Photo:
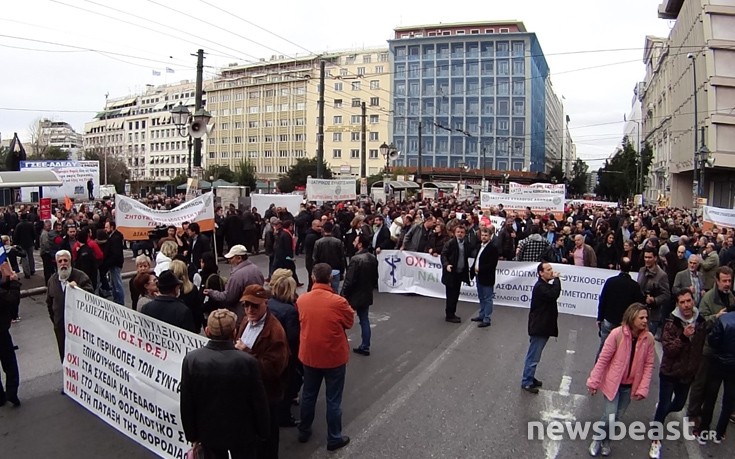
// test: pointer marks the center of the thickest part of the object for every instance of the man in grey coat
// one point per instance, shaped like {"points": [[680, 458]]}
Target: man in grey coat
{"points": [[244, 273], [690, 279], [65, 277]]}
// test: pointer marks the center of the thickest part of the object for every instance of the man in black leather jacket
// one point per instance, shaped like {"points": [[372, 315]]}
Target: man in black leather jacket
{"points": [[360, 281]]}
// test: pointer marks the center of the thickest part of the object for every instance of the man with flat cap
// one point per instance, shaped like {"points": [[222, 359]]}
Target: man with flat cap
{"points": [[224, 406], [167, 307], [244, 273]]}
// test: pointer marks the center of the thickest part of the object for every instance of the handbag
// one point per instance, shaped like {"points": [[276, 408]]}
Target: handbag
{"points": [[195, 452]]}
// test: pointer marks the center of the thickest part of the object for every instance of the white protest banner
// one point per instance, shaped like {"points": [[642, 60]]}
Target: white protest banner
{"points": [[498, 222], [73, 174], [192, 188], [262, 202], [719, 216], [134, 219], [331, 190], [553, 188], [125, 368], [537, 202], [589, 203], [496, 189], [412, 272]]}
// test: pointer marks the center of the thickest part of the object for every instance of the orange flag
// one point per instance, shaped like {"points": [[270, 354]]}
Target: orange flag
{"points": [[67, 203]]}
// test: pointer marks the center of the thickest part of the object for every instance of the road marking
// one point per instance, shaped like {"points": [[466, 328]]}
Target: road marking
{"points": [[403, 396], [691, 447]]}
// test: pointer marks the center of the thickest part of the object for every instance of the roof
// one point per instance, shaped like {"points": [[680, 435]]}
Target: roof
{"points": [[34, 178], [398, 185], [521, 26]]}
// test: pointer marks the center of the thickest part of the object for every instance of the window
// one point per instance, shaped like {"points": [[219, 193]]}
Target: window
{"points": [[238, 139], [253, 139], [519, 67], [378, 69], [337, 86], [355, 119], [299, 137], [504, 30], [252, 154], [355, 85], [355, 136], [336, 137], [337, 103], [354, 154], [283, 122], [374, 101], [373, 154], [336, 153], [374, 119], [268, 138], [283, 137], [459, 32], [361, 70], [283, 153], [337, 119], [373, 136], [474, 31], [225, 126], [383, 57], [375, 84], [268, 154], [356, 102], [282, 169], [366, 59]]}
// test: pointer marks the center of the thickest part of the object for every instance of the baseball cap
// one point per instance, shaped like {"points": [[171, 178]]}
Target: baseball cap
{"points": [[221, 323], [237, 250], [255, 293]]}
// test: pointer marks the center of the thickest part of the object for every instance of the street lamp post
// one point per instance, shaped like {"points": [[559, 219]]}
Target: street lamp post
{"points": [[385, 151], [190, 126], [697, 185]]}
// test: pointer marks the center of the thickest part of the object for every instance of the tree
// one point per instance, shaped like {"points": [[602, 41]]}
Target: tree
{"points": [[3, 158], [54, 153], [304, 168], [578, 183], [39, 141], [285, 184], [617, 179], [246, 176], [557, 172], [179, 180], [117, 170], [220, 172]]}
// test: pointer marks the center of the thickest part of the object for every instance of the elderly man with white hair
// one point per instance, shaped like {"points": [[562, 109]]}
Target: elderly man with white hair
{"points": [[690, 279], [65, 277]]}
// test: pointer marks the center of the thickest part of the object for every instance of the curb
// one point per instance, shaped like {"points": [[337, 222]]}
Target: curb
{"points": [[42, 290]]}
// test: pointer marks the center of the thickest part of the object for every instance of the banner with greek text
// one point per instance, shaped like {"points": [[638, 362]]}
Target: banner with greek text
{"points": [[719, 216], [540, 202], [125, 368], [554, 188], [331, 190], [588, 203], [420, 273], [135, 220]]}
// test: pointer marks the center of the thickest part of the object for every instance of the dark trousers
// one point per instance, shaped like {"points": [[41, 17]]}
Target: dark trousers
{"points": [[49, 266], [718, 374], [294, 378], [452, 292], [60, 339], [334, 379], [268, 449], [309, 268], [669, 387], [697, 389], [10, 366]]}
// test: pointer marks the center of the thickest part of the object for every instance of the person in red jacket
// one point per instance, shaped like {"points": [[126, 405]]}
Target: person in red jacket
{"points": [[324, 351]]}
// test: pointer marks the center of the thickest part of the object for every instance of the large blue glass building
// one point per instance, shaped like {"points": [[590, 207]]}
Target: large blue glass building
{"points": [[477, 93]]}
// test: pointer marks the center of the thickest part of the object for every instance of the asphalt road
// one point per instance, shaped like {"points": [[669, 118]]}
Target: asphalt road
{"points": [[429, 389]]}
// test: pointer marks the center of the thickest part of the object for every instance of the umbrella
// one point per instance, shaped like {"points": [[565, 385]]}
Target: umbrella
{"points": [[16, 154], [219, 182]]}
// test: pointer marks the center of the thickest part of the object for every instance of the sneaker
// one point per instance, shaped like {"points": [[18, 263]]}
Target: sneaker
{"points": [[732, 418], [16, 320], [654, 452], [594, 448], [717, 439], [605, 448], [531, 388], [340, 444], [702, 439]]}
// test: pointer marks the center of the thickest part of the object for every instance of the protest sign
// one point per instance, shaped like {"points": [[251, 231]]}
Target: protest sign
{"points": [[589, 203], [542, 202], [412, 272], [125, 368], [534, 188], [135, 220], [331, 190], [262, 202], [718, 216]]}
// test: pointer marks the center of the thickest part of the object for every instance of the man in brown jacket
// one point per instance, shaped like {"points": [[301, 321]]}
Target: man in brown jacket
{"points": [[262, 336], [582, 254], [65, 277]]}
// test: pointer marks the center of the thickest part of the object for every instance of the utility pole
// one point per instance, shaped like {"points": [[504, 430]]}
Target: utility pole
{"points": [[320, 135], [104, 139], [418, 167], [363, 143], [696, 171], [197, 106]]}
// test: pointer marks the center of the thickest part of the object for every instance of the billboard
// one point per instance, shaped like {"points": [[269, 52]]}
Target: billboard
{"points": [[74, 174]]}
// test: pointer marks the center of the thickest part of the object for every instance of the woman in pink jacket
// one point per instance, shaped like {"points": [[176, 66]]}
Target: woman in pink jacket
{"points": [[623, 370]]}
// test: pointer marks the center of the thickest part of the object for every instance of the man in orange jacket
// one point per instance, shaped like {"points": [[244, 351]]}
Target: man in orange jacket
{"points": [[324, 352]]}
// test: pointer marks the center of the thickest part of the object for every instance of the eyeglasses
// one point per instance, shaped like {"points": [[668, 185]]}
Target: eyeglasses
{"points": [[252, 305]]}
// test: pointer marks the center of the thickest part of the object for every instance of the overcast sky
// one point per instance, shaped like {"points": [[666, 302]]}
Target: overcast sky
{"points": [[594, 48]]}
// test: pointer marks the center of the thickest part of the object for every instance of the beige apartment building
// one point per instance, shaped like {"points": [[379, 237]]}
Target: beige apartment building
{"points": [[703, 38], [267, 112], [138, 130]]}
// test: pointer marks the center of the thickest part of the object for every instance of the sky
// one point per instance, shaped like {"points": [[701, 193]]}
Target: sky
{"points": [[594, 49]]}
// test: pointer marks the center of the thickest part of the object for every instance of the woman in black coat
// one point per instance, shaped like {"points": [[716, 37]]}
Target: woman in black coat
{"points": [[607, 252]]}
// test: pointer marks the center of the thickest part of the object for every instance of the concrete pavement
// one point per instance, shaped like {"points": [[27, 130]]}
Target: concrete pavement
{"points": [[429, 389]]}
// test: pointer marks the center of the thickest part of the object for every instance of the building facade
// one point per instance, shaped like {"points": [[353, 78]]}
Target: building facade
{"points": [[137, 129], [58, 134], [477, 90], [701, 48], [268, 112]]}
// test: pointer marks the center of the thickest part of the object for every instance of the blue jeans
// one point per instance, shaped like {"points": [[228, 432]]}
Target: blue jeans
{"points": [[334, 379], [485, 293], [335, 281], [365, 332], [605, 329], [615, 408], [118, 294], [533, 357]]}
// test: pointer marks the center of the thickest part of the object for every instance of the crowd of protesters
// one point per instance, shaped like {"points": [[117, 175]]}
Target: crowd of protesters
{"points": [[177, 279]]}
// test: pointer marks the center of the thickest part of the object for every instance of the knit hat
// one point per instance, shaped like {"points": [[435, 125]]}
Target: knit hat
{"points": [[221, 323]]}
